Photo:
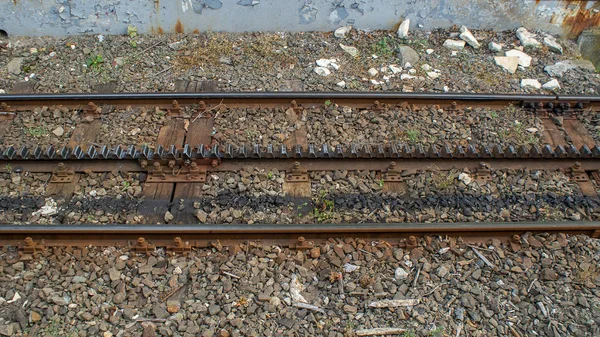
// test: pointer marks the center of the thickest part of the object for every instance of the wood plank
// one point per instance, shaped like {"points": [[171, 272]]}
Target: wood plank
{"points": [[575, 128], [553, 136], [200, 131], [25, 87], [188, 192], [157, 200], [109, 87], [63, 190], [4, 127], [84, 134], [173, 133]]}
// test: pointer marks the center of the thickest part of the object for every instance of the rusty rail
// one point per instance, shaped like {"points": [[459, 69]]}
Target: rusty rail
{"points": [[200, 236]]}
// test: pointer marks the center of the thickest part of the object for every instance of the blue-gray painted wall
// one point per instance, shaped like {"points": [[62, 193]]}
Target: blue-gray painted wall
{"points": [[63, 17]]}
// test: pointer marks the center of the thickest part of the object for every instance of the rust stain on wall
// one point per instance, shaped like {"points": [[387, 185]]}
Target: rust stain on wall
{"points": [[581, 21], [576, 18], [178, 27]]}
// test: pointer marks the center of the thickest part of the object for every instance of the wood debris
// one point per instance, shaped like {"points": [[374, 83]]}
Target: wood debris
{"points": [[380, 331], [394, 303]]}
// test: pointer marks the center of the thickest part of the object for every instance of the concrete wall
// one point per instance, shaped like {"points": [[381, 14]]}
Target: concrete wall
{"points": [[63, 17]]}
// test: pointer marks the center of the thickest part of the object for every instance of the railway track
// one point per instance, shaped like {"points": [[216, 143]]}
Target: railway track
{"points": [[186, 152]]}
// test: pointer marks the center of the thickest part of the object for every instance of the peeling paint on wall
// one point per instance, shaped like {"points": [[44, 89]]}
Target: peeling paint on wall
{"points": [[248, 2], [338, 14], [199, 5], [63, 17], [308, 14]]}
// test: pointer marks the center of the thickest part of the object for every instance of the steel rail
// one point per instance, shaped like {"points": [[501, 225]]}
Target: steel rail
{"points": [[202, 234], [288, 95]]}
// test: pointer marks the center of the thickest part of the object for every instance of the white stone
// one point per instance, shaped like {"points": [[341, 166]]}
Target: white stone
{"points": [[341, 84], [559, 69], [429, 51], [353, 51], [551, 85], [433, 75], [2, 91], [454, 44], [400, 274], [412, 71], [322, 71], [59, 131], [375, 82], [406, 77], [509, 63], [373, 72], [468, 37], [177, 271], [395, 69], [327, 63], [426, 67], [407, 65], [527, 39], [495, 47], [454, 53], [524, 59], [553, 45], [342, 31], [532, 130], [530, 83], [465, 178], [348, 268], [403, 29]]}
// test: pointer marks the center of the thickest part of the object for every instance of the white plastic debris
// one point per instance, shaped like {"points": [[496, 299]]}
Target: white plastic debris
{"points": [[429, 51], [48, 209]]}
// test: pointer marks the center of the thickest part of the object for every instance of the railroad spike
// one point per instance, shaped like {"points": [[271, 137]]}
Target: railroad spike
{"points": [[311, 151], [298, 151], [256, 151], [283, 151], [325, 151]]}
